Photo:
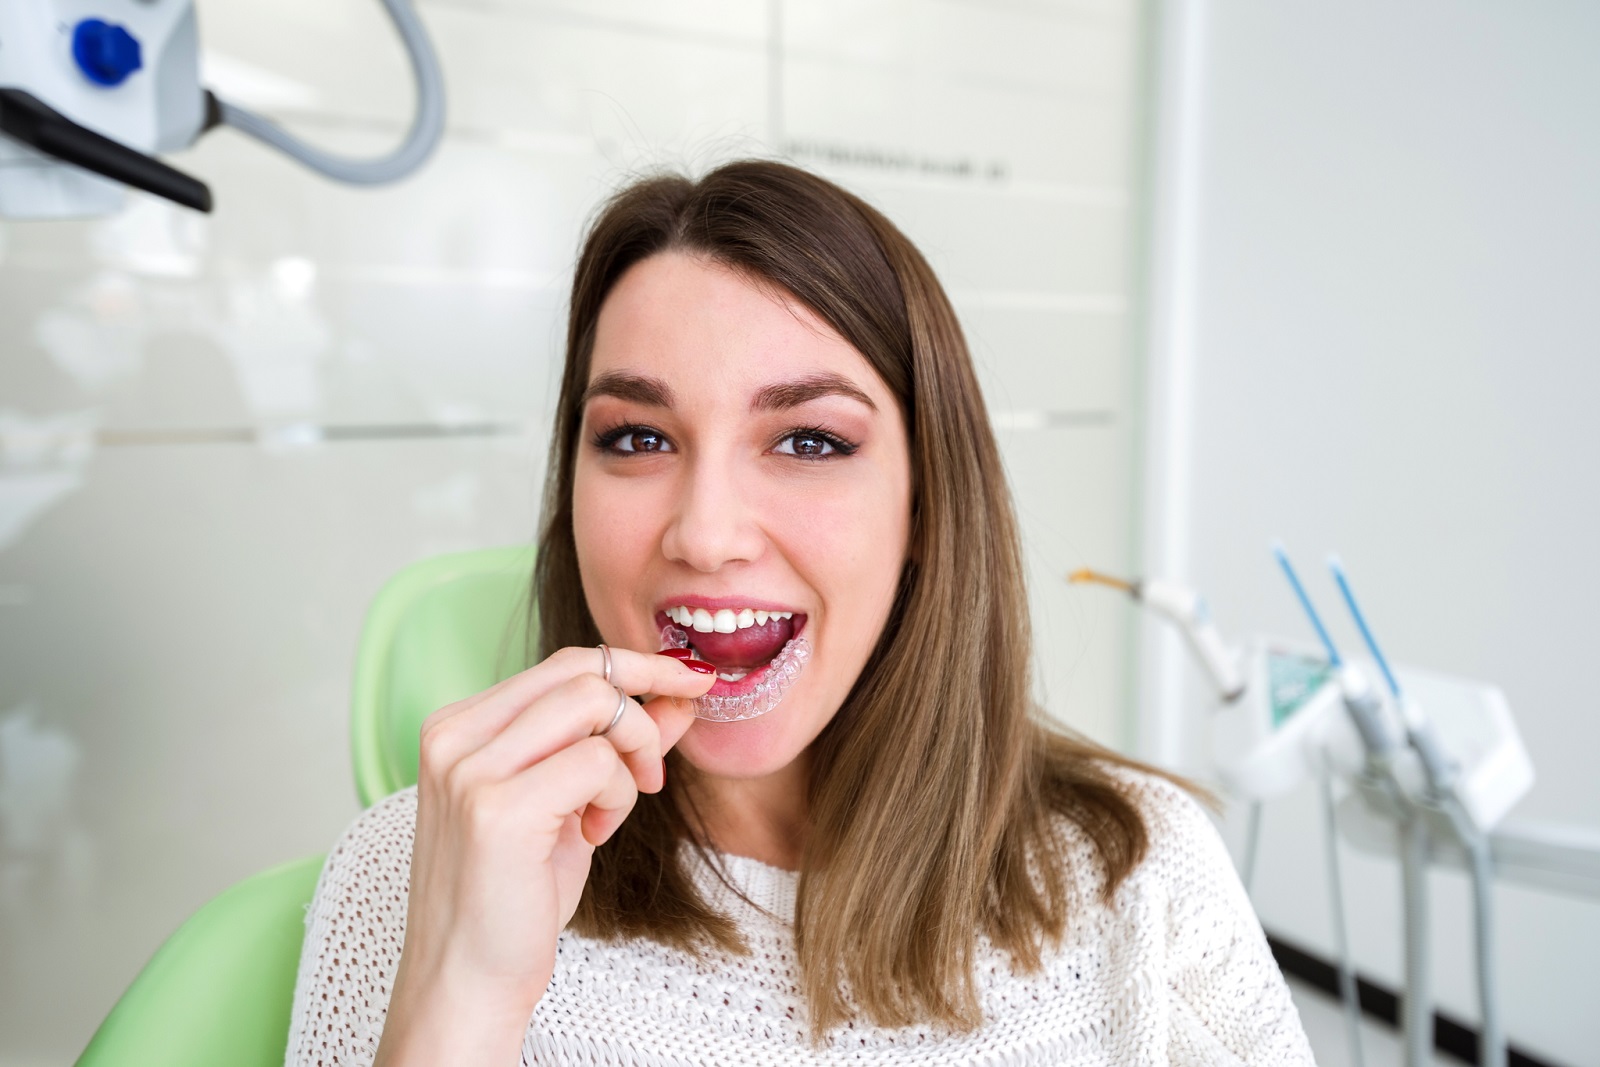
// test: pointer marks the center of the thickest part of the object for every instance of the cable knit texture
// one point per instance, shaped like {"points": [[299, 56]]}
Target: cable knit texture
{"points": [[1174, 970]]}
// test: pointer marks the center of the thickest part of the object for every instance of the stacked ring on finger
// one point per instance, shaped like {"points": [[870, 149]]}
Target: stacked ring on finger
{"points": [[622, 706], [605, 661]]}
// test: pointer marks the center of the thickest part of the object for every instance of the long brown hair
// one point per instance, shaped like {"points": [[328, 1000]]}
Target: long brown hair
{"points": [[937, 788]]}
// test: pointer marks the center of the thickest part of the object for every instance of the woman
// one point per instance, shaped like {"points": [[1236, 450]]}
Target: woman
{"points": [[832, 826]]}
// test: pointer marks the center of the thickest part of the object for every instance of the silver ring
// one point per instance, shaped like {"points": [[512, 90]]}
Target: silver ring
{"points": [[605, 662], [622, 706]]}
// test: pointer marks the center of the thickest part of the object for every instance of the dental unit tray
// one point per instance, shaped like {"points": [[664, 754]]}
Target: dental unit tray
{"points": [[1434, 763], [1292, 717]]}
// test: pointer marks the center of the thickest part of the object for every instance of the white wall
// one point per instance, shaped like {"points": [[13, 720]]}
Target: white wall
{"points": [[1392, 328], [183, 575]]}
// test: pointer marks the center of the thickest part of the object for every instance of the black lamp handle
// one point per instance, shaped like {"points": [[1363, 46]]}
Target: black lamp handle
{"points": [[33, 122]]}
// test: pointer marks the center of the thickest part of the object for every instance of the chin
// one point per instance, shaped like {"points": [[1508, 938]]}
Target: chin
{"points": [[750, 748]]}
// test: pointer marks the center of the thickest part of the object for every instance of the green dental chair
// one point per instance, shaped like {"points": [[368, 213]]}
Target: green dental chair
{"points": [[219, 991]]}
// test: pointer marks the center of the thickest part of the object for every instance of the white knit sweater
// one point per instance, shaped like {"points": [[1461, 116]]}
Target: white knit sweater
{"points": [[1174, 971]]}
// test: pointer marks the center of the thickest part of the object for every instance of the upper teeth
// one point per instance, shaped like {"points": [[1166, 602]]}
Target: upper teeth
{"points": [[723, 621]]}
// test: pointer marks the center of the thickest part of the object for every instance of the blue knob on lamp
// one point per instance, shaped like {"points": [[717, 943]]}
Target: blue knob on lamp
{"points": [[105, 52]]}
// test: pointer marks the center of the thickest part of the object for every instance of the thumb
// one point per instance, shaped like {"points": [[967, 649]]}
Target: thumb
{"points": [[673, 716]]}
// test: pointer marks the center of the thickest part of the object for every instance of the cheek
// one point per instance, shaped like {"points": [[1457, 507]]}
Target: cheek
{"points": [[611, 542], [851, 541], [846, 543]]}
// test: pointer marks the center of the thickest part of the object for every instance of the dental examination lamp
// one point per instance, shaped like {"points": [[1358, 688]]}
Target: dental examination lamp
{"points": [[91, 91], [1433, 762]]}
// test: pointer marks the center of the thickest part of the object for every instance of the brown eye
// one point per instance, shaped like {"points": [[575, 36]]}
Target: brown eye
{"points": [[633, 440], [644, 441], [811, 444]]}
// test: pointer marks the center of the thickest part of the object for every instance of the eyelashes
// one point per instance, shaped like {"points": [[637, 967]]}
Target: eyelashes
{"points": [[637, 439], [813, 442], [809, 443]]}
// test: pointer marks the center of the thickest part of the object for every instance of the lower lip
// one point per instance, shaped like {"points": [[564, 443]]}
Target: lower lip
{"points": [[747, 684]]}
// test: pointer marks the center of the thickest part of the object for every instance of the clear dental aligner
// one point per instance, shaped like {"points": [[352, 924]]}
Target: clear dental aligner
{"points": [[768, 692]]}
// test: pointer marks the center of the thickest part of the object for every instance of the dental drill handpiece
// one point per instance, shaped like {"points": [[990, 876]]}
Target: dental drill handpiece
{"points": [[1189, 611], [1379, 736], [1380, 741], [1384, 743], [1442, 776], [1437, 767]]}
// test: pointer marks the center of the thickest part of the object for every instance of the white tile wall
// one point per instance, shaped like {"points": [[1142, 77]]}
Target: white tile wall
{"points": [[181, 584]]}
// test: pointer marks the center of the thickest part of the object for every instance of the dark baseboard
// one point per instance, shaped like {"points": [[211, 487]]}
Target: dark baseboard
{"points": [[1450, 1035]]}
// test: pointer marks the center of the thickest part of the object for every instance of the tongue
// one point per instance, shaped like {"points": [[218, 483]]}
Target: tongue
{"points": [[743, 649]]}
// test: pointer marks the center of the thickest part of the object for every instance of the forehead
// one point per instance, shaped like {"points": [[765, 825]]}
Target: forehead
{"points": [[689, 319]]}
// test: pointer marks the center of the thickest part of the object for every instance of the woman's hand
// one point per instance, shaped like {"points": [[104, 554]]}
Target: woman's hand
{"points": [[514, 791]]}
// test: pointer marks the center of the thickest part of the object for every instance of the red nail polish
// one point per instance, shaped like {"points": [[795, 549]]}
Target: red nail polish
{"points": [[676, 653], [698, 665]]}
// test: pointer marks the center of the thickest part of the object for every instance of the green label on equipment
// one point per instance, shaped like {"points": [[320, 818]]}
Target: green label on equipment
{"points": [[1291, 681]]}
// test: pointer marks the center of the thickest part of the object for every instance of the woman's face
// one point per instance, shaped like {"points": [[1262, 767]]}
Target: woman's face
{"points": [[739, 459]]}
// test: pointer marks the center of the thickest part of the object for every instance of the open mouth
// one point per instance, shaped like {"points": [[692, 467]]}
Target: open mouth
{"points": [[757, 653]]}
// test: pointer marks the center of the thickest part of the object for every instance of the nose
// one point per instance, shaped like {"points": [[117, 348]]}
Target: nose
{"points": [[713, 524]]}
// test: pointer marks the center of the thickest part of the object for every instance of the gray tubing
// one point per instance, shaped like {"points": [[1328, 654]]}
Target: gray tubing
{"points": [[427, 126], [1492, 1047], [1417, 1011], [1480, 867], [1347, 974], [1480, 864]]}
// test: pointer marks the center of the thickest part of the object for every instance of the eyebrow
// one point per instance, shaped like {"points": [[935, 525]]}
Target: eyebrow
{"points": [[782, 395], [638, 388], [653, 392]]}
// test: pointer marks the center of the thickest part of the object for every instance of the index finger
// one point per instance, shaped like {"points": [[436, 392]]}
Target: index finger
{"points": [[474, 721], [638, 672]]}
